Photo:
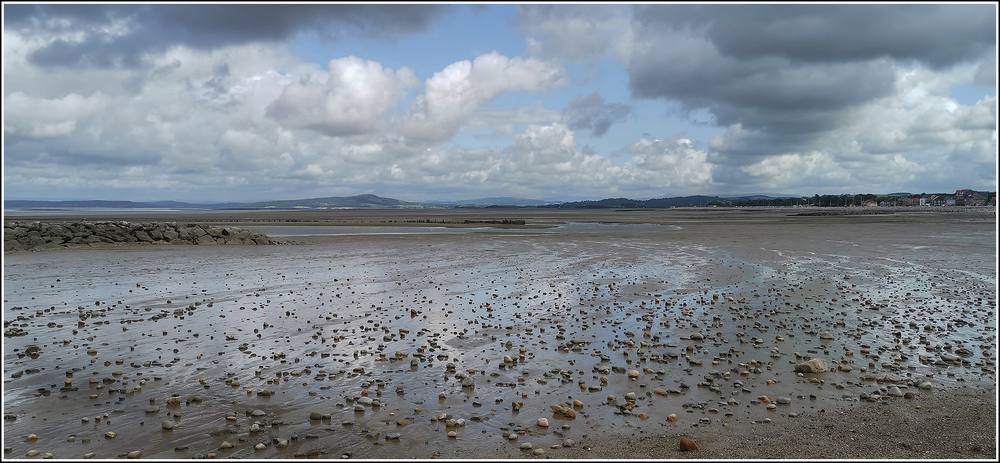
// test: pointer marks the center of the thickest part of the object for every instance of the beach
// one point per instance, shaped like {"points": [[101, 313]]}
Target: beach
{"points": [[757, 333]]}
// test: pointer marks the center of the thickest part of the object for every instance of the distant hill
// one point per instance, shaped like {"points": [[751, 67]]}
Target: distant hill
{"points": [[625, 203], [759, 196], [359, 201], [497, 201], [24, 204], [373, 201]]}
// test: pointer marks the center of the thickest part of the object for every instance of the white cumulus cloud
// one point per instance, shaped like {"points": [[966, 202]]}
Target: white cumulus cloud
{"points": [[451, 95], [352, 99]]}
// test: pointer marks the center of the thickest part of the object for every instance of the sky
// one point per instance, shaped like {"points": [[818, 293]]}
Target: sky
{"points": [[212, 103]]}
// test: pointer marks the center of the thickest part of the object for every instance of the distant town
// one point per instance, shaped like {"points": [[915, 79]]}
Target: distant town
{"points": [[964, 197]]}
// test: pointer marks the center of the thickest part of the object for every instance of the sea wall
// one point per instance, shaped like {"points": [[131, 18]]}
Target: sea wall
{"points": [[22, 235]]}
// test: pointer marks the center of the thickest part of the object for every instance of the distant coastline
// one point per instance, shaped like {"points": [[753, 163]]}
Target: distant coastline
{"points": [[962, 197]]}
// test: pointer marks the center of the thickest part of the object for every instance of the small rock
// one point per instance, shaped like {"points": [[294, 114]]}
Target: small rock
{"points": [[813, 365], [687, 444]]}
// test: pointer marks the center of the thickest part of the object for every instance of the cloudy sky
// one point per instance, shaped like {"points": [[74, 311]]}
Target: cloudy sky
{"points": [[417, 102]]}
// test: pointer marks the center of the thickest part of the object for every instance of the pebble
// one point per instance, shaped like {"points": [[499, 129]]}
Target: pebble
{"points": [[813, 365], [687, 444], [543, 423]]}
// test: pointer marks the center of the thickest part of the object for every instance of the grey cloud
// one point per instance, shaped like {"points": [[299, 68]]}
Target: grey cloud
{"points": [[592, 113], [986, 73], [25, 152], [791, 73], [784, 101], [151, 28], [937, 35], [729, 86], [576, 32]]}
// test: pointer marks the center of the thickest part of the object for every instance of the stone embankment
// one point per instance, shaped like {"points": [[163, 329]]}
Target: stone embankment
{"points": [[22, 236]]}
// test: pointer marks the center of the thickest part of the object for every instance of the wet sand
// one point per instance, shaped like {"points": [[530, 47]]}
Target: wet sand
{"points": [[706, 320], [958, 424]]}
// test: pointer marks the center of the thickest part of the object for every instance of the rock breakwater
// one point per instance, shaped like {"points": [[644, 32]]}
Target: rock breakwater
{"points": [[22, 236]]}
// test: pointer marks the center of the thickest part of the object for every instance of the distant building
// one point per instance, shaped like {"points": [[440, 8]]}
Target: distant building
{"points": [[968, 197], [923, 201], [908, 202]]}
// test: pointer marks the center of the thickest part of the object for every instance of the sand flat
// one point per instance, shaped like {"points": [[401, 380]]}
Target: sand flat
{"points": [[714, 310]]}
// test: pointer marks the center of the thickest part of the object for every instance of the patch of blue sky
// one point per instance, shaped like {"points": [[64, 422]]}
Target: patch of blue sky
{"points": [[970, 93]]}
